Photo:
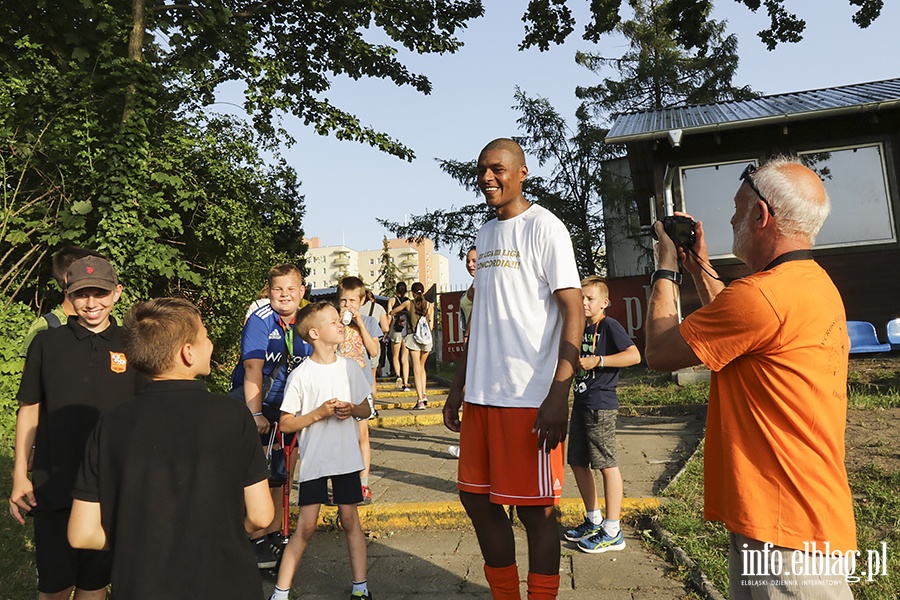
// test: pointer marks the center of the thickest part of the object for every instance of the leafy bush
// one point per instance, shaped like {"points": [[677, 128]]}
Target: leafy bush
{"points": [[15, 318]]}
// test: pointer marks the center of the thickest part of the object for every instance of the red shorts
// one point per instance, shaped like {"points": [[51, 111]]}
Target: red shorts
{"points": [[499, 455]]}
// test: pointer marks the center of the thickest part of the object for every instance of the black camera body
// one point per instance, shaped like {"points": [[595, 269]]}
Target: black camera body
{"points": [[682, 230]]}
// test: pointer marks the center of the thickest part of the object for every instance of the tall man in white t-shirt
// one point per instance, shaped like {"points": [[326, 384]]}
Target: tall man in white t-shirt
{"points": [[524, 340]]}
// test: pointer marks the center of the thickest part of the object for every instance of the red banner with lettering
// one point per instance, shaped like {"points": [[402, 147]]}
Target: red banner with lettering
{"points": [[628, 299], [451, 326]]}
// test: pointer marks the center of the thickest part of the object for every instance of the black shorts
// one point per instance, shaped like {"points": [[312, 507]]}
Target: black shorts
{"points": [[59, 565], [346, 489], [592, 438]]}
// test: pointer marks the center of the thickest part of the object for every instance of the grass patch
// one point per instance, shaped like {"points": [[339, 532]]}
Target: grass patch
{"points": [[705, 542], [638, 386], [16, 542], [877, 507], [876, 504], [867, 396]]}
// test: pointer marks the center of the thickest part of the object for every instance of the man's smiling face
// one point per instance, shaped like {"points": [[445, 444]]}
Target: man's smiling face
{"points": [[500, 177]]}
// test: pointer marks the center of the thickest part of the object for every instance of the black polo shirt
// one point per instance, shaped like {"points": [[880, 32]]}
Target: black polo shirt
{"points": [[76, 376], [169, 470], [596, 389]]}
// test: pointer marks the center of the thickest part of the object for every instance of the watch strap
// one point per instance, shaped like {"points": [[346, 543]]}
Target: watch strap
{"points": [[673, 276]]}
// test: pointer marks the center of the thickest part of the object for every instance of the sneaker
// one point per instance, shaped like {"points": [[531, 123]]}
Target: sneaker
{"points": [[583, 531], [405, 388], [374, 415], [425, 400], [361, 596], [263, 551], [601, 542], [367, 495], [399, 383], [420, 405], [454, 451], [278, 542]]}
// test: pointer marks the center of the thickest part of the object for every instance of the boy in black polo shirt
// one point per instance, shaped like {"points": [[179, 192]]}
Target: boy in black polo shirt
{"points": [[73, 374], [174, 478]]}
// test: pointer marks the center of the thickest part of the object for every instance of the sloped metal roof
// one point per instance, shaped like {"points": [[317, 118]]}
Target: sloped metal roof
{"points": [[760, 111]]}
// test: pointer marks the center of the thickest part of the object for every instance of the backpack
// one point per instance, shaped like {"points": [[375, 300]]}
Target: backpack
{"points": [[400, 318], [422, 335]]}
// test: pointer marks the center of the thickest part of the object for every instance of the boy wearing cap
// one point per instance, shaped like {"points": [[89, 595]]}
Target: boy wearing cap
{"points": [[72, 375]]}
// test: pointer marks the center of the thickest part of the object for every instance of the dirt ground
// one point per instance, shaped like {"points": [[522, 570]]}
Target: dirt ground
{"points": [[872, 434], [872, 439]]}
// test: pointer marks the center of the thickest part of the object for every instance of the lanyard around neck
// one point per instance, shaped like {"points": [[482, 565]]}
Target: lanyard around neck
{"points": [[288, 336]]}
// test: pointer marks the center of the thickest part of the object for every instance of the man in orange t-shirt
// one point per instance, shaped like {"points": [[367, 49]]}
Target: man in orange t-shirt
{"points": [[776, 342]]}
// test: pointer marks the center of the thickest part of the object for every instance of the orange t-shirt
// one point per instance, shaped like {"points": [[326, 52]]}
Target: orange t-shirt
{"points": [[777, 344]]}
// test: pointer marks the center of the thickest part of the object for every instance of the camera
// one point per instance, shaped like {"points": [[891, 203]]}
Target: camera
{"points": [[682, 230]]}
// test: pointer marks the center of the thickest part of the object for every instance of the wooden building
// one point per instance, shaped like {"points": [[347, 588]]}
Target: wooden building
{"points": [[689, 159]]}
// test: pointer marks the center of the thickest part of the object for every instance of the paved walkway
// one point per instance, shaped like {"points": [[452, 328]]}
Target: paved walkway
{"points": [[421, 544]]}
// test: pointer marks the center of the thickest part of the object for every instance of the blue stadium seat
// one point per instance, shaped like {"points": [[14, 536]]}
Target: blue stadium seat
{"points": [[893, 334], [863, 338]]}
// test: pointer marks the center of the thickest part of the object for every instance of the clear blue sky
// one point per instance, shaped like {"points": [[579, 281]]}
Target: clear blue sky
{"points": [[347, 185]]}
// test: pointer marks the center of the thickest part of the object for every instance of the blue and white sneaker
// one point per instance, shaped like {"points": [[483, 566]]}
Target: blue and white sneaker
{"points": [[600, 542], [583, 531]]}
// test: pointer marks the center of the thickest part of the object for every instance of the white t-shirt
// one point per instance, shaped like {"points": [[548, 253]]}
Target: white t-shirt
{"points": [[330, 446], [516, 324]]}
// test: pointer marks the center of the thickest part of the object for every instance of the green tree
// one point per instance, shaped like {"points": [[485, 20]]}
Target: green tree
{"points": [[551, 21], [573, 190], [107, 143], [388, 274], [657, 71], [654, 72]]}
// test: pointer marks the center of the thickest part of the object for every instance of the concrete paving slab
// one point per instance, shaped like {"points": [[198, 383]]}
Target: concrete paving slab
{"points": [[421, 544], [447, 564]]}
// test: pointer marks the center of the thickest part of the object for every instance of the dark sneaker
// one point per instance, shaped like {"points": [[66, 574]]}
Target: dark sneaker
{"points": [[583, 531], [361, 596], [277, 541], [602, 543], [263, 551], [420, 405]]}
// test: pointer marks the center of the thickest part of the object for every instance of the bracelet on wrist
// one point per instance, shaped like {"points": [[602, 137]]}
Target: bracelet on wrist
{"points": [[259, 414], [601, 362]]}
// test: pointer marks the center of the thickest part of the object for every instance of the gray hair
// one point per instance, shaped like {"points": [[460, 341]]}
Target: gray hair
{"points": [[796, 194]]}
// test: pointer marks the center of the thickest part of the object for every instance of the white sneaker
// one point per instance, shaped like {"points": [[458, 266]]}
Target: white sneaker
{"points": [[454, 451]]}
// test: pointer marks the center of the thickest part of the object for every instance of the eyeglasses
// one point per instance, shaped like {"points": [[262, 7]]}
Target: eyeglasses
{"points": [[747, 176]]}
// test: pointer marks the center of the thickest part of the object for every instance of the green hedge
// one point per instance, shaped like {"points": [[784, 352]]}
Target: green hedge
{"points": [[15, 318]]}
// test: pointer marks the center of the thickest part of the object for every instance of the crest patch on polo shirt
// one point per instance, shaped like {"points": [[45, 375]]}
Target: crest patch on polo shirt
{"points": [[117, 362]]}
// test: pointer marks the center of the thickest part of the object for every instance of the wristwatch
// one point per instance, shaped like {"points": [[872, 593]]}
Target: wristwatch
{"points": [[674, 276]]}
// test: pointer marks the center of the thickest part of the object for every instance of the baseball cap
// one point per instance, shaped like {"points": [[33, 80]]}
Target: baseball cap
{"points": [[91, 272]]}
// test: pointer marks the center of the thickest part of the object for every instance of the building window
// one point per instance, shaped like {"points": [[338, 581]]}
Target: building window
{"points": [[856, 181], [707, 193], [855, 178]]}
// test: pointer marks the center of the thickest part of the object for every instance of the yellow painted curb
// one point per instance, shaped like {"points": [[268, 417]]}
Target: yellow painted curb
{"points": [[412, 420], [383, 393], [447, 514], [407, 405]]}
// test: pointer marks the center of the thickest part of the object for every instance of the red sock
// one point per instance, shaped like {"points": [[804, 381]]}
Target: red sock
{"points": [[504, 582], [542, 587]]}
